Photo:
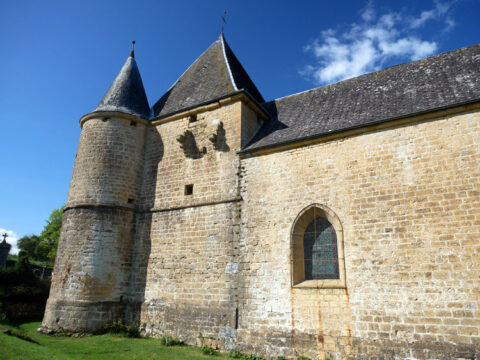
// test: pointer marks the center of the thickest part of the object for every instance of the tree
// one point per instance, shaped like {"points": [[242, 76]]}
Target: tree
{"points": [[28, 244], [44, 247], [51, 233]]}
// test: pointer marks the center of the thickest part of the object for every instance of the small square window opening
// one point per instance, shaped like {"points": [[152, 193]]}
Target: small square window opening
{"points": [[189, 189]]}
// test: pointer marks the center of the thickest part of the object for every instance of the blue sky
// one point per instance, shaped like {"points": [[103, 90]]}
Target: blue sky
{"points": [[58, 58]]}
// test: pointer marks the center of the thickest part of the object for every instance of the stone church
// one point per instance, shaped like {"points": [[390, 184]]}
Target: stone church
{"points": [[342, 222]]}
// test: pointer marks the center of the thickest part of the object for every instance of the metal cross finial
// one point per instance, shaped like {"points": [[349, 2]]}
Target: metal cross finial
{"points": [[5, 236], [132, 53], [224, 19]]}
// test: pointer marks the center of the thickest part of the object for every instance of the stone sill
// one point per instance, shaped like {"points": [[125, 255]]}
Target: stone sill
{"points": [[320, 284]]}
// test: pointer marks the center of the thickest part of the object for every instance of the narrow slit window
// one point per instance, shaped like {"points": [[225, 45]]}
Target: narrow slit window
{"points": [[133, 123], [192, 118]]}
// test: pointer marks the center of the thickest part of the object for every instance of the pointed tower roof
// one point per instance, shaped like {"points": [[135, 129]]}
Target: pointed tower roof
{"points": [[126, 94], [216, 73]]}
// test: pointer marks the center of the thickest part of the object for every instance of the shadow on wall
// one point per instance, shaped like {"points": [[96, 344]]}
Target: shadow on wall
{"points": [[221, 139], [154, 150], [190, 147], [272, 125]]}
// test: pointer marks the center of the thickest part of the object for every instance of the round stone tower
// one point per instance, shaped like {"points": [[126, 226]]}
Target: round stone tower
{"points": [[90, 279]]}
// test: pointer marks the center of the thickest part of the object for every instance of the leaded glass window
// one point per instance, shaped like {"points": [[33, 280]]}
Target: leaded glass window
{"points": [[320, 250]]}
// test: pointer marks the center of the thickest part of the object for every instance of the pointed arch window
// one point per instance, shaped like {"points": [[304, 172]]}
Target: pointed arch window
{"points": [[317, 249]]}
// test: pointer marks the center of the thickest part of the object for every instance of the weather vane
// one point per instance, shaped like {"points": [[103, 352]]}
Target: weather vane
{"points": [[224, 19]]}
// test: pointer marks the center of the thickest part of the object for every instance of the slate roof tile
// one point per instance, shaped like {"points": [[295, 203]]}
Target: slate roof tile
{"points": [[421, 86], [216, 73], [127, 94]]}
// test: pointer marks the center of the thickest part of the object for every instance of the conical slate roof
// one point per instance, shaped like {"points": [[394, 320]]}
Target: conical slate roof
{"points": [[126, 94], [216, 73]]}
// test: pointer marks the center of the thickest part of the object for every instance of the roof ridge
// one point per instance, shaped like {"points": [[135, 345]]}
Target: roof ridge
{"points": [[222, 39]]}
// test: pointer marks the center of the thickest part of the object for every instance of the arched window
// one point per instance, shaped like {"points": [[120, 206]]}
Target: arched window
{"points": [[317, 249]]}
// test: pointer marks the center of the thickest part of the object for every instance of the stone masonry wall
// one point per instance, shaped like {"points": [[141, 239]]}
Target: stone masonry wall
{"points": [[408, 199], [212, 174], [109, 163], [92, 267], [190, 288], [212, 264], [192, 275], [91, 279]]}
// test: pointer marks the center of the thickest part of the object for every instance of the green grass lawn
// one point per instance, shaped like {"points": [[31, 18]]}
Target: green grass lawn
{"points": [[89, 347]]}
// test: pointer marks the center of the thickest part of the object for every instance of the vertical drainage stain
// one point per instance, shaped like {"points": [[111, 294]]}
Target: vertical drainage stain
{"points": [[349, 330], [320, 337]]}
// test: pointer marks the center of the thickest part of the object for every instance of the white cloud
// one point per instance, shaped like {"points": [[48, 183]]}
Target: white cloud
{"points": [[12, 239], [368, 13], [365, 47], [450, 24], [436, 13]]}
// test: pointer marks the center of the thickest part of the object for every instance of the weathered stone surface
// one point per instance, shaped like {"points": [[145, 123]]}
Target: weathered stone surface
{"points": [[408, 199], [213, 265], [91, 279]]}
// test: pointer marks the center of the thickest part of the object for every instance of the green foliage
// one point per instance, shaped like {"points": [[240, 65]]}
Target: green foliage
{"points": [[19, 286], [281, 358], [235, 354], [301, 357], [28, 244], [207, 350], [51, 232], [44, 247], [42, 250], [238, 355], [20, 275], [169, 341], [118, 327], [133, 330], [253, 357]]}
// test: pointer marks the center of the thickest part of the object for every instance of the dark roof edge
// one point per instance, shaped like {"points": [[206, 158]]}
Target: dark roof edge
{"points": [[112, 113], [240, 91], [373, 123]]}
